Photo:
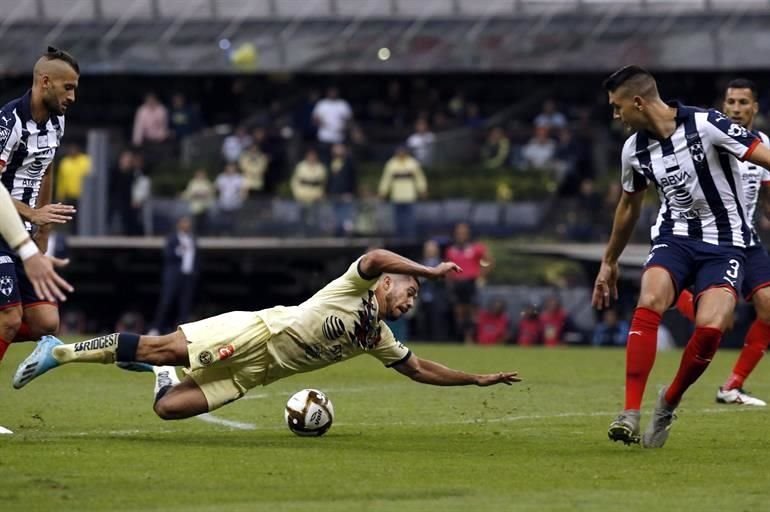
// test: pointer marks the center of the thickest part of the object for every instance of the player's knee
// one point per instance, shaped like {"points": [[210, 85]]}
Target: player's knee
{"points": [[10, 322], [761, 302], [45, 326], [169, 409], [654, 301]]}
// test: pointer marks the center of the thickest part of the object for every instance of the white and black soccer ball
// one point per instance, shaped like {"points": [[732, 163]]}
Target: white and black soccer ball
{"points": [[309, 413]]}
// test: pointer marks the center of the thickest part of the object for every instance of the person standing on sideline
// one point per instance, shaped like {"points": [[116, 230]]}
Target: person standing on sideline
{"points": [[698, 239], [180, 274]]}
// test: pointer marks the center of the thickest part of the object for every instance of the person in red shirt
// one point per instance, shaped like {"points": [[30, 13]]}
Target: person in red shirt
{"points": [[493, 325], [476, 262], [530, 329], [553, 318]]}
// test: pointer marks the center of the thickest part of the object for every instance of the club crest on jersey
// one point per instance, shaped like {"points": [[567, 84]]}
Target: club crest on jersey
{"points": [[333, 327], [205, 358], [6, 285], [697, 153], [366, 331]]}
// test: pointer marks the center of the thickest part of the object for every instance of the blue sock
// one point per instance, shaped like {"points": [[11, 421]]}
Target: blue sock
{"points": [[127, 345]]}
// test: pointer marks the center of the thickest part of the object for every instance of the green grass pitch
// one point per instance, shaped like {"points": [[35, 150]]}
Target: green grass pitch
{"points": [[87, 440]]}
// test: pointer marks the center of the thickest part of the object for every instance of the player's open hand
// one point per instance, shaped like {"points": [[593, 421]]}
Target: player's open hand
{"points": [[47, 283], [446, 267], [53, 214], [491, 379], [606, 286]]}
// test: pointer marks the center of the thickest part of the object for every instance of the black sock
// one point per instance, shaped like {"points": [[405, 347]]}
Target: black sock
{"points": [[127, 345]]}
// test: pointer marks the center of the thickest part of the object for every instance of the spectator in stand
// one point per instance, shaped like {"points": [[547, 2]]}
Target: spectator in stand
{"points": [[476, 262], [303, 117], [141, 193], [234, 144], [540, 151], [253, 164], [331, 115], [473, 118], [493, 324], [553, 318], [230, 192], [611, 331], [421, 142], [496, 149], [550, 118], [403, 183], [308, 186], [433, 306], [341, 188], [121, 183], [529, 331], [180, 271], [201, 195], [73, 168], [184, 119], [151, 131]]}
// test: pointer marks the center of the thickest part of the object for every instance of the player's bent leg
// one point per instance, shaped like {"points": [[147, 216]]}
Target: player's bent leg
{"points": [[181, 401], [10, 321], [40, 319]]}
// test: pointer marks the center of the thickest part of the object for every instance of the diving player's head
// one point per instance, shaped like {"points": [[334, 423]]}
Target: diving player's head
{"points": [[632, 90], [55, 77], [396, 294], [741, 101]]}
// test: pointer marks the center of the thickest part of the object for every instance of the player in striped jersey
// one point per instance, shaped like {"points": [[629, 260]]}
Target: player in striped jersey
{"points": [[31, 128], [698, 239], [740, 103]]}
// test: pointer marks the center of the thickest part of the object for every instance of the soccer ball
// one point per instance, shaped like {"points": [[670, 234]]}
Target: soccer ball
{"points": [[309, 413]]}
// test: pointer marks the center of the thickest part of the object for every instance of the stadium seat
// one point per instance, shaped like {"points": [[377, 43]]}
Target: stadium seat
{"points": [[524, 216], [74, 10], [429, 216], [185, 9], [457, 210], [485, 218], [138, 9]]}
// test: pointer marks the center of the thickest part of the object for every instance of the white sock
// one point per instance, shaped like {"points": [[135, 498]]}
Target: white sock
{"points": [[164, 376]]}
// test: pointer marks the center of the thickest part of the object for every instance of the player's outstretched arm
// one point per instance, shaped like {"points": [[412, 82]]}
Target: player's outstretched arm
{"points": [[381, 261], [431, 372], [626, 215], [760, 156]]}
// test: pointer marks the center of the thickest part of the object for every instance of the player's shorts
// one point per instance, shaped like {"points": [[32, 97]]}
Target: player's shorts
{"points": [[757, 271], [15, 287], [462, 291], [228, 355], [698, 264]]}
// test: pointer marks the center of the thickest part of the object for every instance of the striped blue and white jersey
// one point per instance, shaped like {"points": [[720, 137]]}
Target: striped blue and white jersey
{"points": [[754, 177], [701, 192], [27, 148]]}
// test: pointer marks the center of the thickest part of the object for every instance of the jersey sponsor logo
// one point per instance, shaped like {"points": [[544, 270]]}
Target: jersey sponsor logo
{"points": [[333, 327], [4, 134], [6, 285], [5, 259], [99, 343], [205, 358], [366, 331], [7, 120], [737, 130], [226, 351]]}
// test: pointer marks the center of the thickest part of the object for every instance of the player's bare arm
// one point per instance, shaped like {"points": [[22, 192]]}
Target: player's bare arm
{"points": [[626, 216], [760, 156], [426, 371], [45, 212], [381, 261]]}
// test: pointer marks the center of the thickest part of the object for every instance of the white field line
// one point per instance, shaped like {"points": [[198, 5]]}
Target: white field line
{"points": [[216, 420]]}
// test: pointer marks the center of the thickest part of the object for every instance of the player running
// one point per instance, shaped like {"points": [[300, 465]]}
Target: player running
{"points": [[231, 353], [31, 129], [741, 104], [698, 239]]}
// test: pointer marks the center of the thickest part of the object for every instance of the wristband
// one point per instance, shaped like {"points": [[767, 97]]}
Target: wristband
{"points": [[27, 250]]}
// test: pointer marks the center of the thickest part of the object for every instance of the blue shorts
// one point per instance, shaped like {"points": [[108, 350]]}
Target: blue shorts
{"points": [[757, 271], [15, 287], [698, 264]]}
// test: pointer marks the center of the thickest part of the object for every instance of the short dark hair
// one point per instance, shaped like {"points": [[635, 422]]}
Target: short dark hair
{"points": [[639, 80], [53, 53], [744, 83]]}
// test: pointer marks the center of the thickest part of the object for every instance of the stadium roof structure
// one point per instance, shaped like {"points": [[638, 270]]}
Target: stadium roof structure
{"points": [[194, 36]]}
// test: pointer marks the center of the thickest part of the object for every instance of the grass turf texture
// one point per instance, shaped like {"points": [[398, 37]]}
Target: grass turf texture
{"points": [[86, 439]]}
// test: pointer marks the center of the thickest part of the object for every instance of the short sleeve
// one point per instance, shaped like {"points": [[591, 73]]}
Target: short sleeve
{"points": [[389, 350], [355, 279], [632, 177], [730, 135], [9, 136]]}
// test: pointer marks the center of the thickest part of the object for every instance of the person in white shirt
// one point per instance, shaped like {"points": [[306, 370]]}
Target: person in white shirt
{"points": [[332, 115], [421, 142]]}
